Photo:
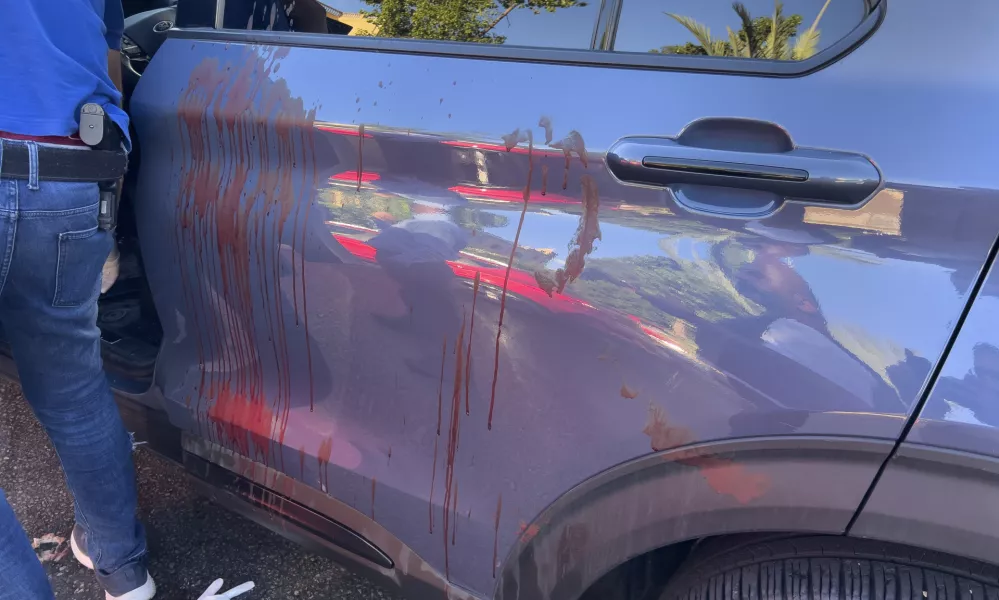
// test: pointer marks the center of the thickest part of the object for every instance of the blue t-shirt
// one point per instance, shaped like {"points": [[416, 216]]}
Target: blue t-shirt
{"points": [[53, 60]]}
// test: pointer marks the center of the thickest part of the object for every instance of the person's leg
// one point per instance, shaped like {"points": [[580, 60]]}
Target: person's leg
{"points": [[21, 574], [48, 305]]}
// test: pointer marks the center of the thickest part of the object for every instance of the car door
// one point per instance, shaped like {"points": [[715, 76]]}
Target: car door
{"points": [[445, 282]]}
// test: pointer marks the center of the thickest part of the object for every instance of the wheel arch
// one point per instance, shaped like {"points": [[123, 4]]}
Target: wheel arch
{"points": [[938, 499], [805, 484]]}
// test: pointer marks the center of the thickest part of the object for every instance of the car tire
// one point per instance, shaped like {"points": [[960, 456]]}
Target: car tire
{"points": [[828, 568]]}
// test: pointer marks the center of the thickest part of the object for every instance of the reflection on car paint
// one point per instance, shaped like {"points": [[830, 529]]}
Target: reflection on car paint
{"points": [[683, 313]]}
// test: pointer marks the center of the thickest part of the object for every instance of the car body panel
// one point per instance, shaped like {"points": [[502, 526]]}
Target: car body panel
{"points": [[934, 498], [962, 411], [951, 454], [327, 231]]}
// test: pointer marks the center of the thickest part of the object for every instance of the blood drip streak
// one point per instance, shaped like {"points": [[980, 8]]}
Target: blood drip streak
{"points": [[506, 276]]}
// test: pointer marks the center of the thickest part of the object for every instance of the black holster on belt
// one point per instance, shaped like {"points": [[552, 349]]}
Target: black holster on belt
{"points": [[104, 163], [98, 131]]}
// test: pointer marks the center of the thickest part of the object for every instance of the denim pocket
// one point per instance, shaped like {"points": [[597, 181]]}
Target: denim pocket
{"points": [[78, 271]]}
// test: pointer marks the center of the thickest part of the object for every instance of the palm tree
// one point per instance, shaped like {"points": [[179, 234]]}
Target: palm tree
{"points": [[762, 37]]}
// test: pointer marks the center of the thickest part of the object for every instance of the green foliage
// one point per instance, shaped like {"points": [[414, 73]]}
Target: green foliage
{"points": [[773, 37], [453, 20]]}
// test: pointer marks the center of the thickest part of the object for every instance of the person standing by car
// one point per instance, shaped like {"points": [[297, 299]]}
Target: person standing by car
{"points": [[53, 60]]}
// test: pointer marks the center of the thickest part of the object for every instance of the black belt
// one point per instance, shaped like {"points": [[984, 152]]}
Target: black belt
{"points": [[62, 163]]}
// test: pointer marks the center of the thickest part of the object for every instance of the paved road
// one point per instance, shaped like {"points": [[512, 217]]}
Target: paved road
{"points": [[192, 541]]}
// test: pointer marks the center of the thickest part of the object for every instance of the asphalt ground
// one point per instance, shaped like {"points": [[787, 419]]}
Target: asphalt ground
{"points": [[191, 540]]}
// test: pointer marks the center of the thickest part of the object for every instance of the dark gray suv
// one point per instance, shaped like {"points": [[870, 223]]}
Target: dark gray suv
{"points": [[560, 299]]}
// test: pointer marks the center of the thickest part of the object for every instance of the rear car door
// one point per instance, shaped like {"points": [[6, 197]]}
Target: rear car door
{"points": [[444, 282]]}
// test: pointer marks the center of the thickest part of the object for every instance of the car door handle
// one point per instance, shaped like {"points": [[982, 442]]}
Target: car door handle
{"points": [[791, 173]]}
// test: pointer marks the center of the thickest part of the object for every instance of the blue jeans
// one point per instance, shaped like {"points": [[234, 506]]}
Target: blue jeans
{"points": [[51, 256]]}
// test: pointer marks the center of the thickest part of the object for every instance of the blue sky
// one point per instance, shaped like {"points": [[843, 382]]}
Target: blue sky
{"points": [[644, 25]]}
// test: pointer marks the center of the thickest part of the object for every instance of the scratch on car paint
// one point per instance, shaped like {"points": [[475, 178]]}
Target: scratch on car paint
{"points": [[389, 461], [509, 265], [627, 392], [374, 482], [723, 475], [471, 329], [301, 463], [544, 179], [450, 485], [496, 522], [238, 192]]}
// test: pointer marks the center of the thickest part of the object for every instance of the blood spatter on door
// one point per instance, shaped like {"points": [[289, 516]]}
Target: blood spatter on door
{"points": [[529, 137], [546, 124], [627, 392], [724, 475], [587, 232], [247, 176]]}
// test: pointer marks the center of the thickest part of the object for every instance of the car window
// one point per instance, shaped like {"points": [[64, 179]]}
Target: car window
{"points": [[540, 23], [736, 29]]}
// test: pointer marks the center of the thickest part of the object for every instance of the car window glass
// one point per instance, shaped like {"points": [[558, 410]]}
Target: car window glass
{"points": [[542, 23], [736, 29]]}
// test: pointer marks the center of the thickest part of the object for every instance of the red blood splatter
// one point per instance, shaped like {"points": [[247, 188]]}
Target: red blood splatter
{"points": [[471, 329], [527, 532], [450, 485], [440, 400], [726, 477], [722, 474], [506, 277], [496, 522], [433, 479], [440, 388], [360, 155], [587, 232], [246, 165], [454, 514], [323, 457], [546, 123], [627, 392]]}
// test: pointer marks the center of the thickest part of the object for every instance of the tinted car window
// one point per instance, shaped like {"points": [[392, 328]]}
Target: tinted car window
{"points": [[543, 23], [736, 29]]}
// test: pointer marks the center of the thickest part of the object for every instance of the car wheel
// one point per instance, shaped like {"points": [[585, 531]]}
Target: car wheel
{"points": [[829, 568]]}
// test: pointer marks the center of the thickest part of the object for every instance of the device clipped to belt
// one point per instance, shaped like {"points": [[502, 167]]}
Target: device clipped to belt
{"points": [[104, 163], [98, 131]]}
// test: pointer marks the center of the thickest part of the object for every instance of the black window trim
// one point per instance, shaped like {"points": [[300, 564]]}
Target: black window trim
{"points": [[605, 30]]}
